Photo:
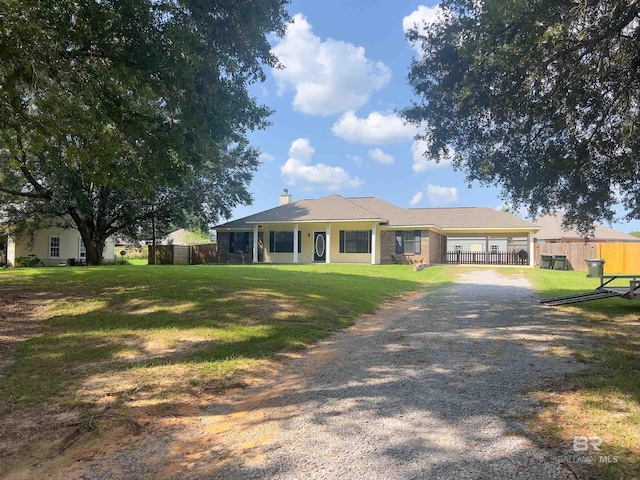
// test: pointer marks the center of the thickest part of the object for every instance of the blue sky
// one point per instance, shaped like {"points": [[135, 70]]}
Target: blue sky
{"points": [[335, 128]]}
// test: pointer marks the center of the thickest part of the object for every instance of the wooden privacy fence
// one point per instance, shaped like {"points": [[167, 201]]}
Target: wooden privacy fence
{"points": [[183, 254], [169, 255], [619, 257], [202, 254]]}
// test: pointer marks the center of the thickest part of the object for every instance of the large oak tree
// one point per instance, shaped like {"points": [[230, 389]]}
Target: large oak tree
{"points": [[540, 97], [114, 111]]}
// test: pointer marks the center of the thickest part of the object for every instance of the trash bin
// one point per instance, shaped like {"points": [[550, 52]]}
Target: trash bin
{"points": [[559, 262], [546, 261], [595, 267]]}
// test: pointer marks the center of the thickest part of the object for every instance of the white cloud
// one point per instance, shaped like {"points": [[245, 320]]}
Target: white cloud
{"points": [[298, 170], [380, 156], [420, 19], [266, 157], [421, 163], [416, 199], [329, 76], [375, 129], [439, 196]]}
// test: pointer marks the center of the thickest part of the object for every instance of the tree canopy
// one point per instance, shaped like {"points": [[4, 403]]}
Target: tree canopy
{"points": [[541, 98], [115, 111]]}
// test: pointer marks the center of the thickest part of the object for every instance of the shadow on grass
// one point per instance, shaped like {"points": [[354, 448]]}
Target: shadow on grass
{"points": [[453, 367], [430, 392], [112, 319]]}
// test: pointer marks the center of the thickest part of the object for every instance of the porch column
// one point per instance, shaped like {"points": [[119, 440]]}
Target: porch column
{"points": [[374, 231], [295, 243], [255, 244], [11, 251], [327, 247], [532, 260]]}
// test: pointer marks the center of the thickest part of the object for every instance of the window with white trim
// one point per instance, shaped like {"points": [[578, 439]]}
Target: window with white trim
{"points": [[54, 247], [408, 241], [82, 250], [355, 241], [282, 242], [494, 248]]}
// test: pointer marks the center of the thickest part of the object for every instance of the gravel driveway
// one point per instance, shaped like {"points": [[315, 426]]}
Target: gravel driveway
{"points": [[431, 387]]}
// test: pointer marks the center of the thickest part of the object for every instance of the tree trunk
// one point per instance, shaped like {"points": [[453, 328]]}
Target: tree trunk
{"points": [[94, 252], [92, 239]]}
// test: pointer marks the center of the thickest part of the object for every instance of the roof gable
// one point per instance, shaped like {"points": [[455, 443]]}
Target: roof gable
{"points": [[325, 209]]}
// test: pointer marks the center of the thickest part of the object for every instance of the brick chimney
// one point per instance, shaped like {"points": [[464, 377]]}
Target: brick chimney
{"points": [[285, 198]]}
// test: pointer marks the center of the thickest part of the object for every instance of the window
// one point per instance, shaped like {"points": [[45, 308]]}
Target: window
{"points": [[408, 241], [240, 242], [355, 241], [494, 248], [457, 248], [282, 242], [82, 250], [54, 247]]}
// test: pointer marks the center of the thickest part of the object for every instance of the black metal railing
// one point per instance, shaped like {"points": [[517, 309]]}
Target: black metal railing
{"points": [[488, 258]]}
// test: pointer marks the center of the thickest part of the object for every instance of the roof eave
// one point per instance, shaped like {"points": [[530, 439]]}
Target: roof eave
{"points": [[351, 220], [490, 229]]}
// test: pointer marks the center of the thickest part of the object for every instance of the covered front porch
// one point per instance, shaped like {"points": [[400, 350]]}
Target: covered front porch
{"points": [[498, 248], [304, 243]]}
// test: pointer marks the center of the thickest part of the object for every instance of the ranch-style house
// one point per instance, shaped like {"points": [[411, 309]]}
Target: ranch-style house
{"points": [[335, 229]]}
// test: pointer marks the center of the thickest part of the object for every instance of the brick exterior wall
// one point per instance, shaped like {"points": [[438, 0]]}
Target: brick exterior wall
{"points": [[431, 245], [224, 239], [387, 246], [438, 248]]}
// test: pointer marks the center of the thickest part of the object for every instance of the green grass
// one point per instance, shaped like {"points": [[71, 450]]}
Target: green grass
{"points": [[158, 328], [604, 399], [124, 334]]}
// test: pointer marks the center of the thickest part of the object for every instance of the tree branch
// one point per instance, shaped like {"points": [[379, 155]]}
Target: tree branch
{"points": [[18, 193], [44, 193], [590, 43]]}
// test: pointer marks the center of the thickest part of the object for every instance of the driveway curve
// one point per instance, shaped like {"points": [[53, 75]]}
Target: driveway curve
{"points": [[430, 387]]}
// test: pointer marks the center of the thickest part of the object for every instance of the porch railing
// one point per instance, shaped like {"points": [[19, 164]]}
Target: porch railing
{"points": [[488, 258]]}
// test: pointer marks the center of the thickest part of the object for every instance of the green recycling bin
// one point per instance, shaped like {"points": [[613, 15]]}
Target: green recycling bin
{"points": [[546, 261], [559, 262], [595, 267]]}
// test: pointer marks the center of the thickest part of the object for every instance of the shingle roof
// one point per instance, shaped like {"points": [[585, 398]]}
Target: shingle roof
{"points": [[330, 208], [470, 218], [337, 208], [551, 229]]}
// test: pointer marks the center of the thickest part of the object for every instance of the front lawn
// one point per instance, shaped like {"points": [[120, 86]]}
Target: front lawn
{"points": [[152, 341], [123, 332]]}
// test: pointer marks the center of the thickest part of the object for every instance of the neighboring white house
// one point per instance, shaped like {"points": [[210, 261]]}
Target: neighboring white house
{"points": [[54, 246]]}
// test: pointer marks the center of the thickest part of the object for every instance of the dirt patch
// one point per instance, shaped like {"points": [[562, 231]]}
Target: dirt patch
{"points": [[129, 408], [54, 442], [20, 317], [30, 432]]}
